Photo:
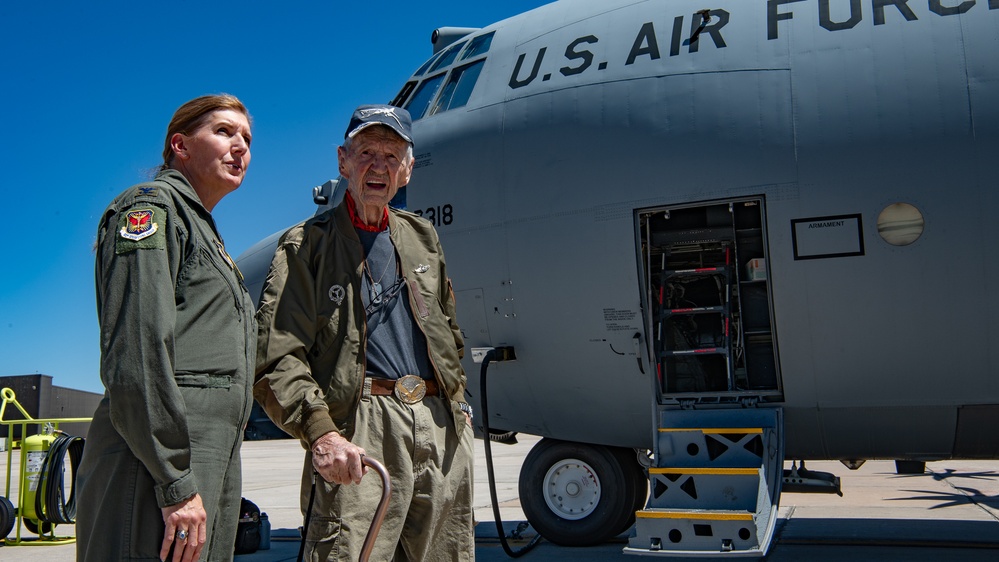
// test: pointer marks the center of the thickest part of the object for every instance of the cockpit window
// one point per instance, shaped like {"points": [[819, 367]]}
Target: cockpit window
{"points": [[425, 94], [403, 93], [423, 69], [448, 56], [478, 46], [459, 87]]}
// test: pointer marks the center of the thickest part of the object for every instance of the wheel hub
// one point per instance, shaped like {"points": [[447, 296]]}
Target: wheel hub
{"points": [[572, 489]]}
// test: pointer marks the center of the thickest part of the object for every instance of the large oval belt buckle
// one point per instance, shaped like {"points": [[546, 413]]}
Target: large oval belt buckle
{"points": [[410, 389]]}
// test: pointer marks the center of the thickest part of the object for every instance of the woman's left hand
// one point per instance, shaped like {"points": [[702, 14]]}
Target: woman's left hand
{"points": [[186, 530]]}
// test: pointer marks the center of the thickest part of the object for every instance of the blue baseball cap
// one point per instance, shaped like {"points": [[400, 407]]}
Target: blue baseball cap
{"points": [[395, 118]]}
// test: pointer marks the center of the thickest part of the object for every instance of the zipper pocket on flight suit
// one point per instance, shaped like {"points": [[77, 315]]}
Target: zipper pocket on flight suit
{"points": [[235, 294], [203, 380]]}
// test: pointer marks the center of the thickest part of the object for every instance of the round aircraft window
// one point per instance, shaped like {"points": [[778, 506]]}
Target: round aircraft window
{"points": [[900, 224]]}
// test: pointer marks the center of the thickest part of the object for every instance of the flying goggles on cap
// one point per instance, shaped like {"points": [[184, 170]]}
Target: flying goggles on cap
{"points": [[395, 118]]}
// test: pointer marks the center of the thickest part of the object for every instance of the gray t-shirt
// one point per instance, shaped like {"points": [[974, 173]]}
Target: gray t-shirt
{"points": [[396, 346]]}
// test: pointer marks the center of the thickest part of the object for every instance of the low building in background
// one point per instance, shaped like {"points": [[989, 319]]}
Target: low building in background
{"points": [[41, 399]]}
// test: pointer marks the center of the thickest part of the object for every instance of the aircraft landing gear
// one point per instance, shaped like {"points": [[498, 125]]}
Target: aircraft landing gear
{"points": [[577, 494], [638, 479]]}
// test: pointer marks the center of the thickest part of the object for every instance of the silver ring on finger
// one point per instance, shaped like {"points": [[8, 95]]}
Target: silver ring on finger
{"points": [[182, 535]]}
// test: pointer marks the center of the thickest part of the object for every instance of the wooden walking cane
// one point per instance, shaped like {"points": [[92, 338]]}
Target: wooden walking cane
{"points": [[376, 521]]}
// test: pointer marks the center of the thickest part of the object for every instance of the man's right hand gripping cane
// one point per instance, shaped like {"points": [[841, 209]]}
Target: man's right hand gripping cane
{"points": [[338, 460]]}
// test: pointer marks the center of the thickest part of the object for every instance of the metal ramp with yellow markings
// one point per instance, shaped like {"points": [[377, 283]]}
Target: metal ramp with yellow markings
{"points": [[714, 484]]}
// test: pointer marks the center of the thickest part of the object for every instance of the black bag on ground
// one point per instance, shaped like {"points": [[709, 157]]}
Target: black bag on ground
{"points": [[248, 529]]}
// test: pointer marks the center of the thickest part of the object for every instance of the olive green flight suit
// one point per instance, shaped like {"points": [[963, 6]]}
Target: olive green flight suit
{"points": [[178, 342]]}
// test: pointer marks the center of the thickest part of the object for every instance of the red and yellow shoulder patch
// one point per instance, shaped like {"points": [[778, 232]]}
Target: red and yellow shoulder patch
{"points": [[140, 228], [138, 225]]}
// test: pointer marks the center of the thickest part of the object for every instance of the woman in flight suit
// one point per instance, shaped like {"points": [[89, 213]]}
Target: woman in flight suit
{"points": [[161, 466]]}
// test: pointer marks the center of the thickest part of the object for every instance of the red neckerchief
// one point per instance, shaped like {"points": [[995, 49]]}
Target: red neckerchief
{"points": [[358, 223]]}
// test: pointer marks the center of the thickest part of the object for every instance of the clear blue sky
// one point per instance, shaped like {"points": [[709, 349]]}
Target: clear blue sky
{"points": [[88, 89]]}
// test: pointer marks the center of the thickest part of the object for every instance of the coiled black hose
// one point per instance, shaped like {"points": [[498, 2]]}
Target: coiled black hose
{"points": [[51, 506]]}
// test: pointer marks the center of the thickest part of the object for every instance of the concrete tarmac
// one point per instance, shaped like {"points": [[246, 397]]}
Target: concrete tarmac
{"points": [[951, 512]]}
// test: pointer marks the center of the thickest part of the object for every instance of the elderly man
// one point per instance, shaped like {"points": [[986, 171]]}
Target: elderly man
{"points": [[358, 354]]}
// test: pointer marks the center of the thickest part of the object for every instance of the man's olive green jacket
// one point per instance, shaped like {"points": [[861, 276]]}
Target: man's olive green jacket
{"points": [[311, 341]]}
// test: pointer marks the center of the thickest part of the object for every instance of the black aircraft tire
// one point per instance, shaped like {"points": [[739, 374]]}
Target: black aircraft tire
{"points": [[7, 517], [629, 489], [636, 478], [571, 492]]}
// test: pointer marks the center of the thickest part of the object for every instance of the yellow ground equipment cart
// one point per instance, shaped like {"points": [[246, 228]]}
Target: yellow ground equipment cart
{"points": [[41, 501]]}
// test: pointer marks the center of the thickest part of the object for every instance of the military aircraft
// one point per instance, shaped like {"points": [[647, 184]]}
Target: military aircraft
{"points": [[716, 235]]}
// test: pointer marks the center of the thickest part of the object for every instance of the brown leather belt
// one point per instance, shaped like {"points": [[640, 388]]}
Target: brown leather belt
{"points": [[409, 389]]}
